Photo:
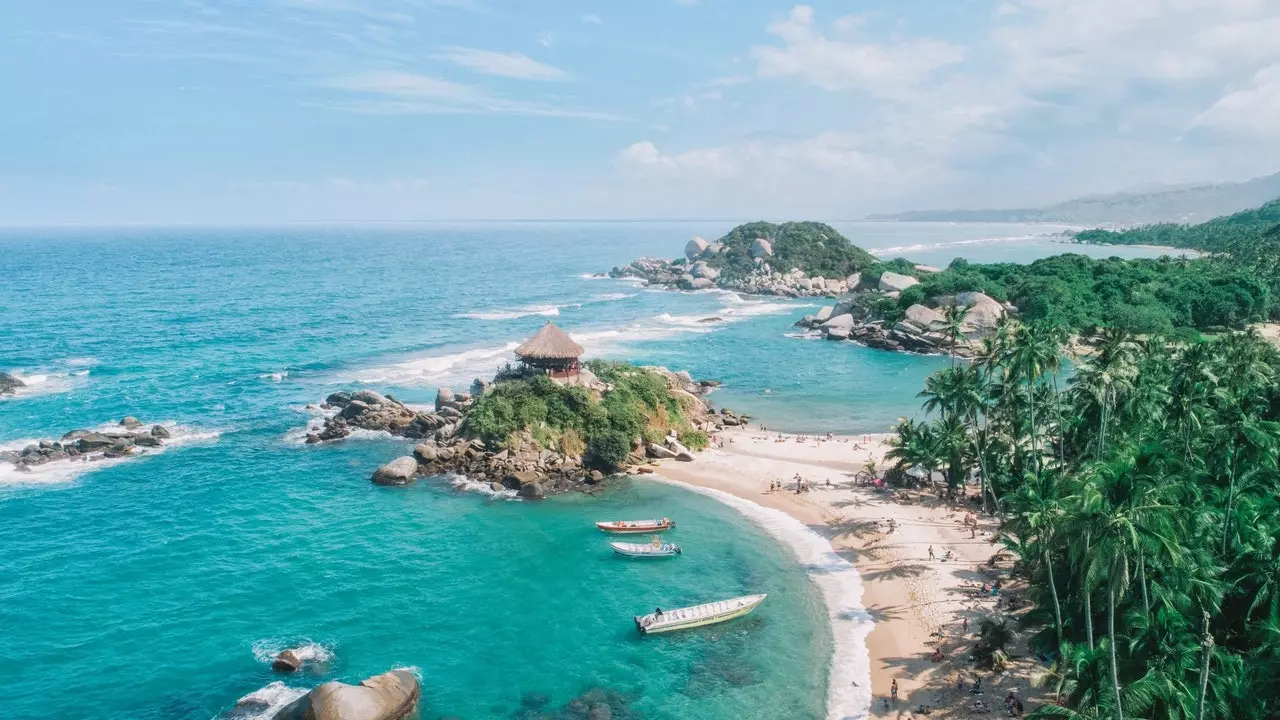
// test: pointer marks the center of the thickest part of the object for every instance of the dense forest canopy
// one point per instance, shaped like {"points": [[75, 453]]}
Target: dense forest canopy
{"points": [[1140, 500], [818, 249], [1081, 294]]}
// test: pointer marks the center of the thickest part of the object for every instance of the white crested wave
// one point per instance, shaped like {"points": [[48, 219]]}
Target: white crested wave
{"points": [[952, 243], [63, 471], [278, 376], [263, 703], [610, 297], [265, 651], [59, 378], [433, 370], [514, 313], [849, 683]]}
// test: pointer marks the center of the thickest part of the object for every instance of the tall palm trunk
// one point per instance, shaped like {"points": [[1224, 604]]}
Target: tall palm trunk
{"points": [[1057, 410], [1111, 635], [1142, 579], [1053, 590], [1206, 647], [1088, 594], [1231, 497]]}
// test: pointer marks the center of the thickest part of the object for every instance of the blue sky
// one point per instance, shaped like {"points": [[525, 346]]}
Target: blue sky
{"points": [[299, 110]]}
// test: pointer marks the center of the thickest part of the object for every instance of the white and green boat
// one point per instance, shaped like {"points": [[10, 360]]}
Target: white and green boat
{"points": [[662, 621]]}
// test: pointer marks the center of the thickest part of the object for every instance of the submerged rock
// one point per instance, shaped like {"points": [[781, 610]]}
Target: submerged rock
{"points": [[160, 431], [390, 696], [287, 662], [9, 384], [397, 472], [130, 422]]}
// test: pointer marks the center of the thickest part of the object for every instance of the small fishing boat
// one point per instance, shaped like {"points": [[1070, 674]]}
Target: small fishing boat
{"points": [[657, 548], [698, 615], [635, 527]]}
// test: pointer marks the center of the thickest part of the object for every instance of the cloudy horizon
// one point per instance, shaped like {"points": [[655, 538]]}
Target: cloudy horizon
{"points": [[402, 110]]}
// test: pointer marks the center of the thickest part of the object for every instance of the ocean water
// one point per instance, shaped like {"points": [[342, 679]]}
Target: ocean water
{"points": [[155, 587]]}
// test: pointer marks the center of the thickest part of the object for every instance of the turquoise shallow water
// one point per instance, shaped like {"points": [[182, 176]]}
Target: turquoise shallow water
{"points": [[141, 589]]}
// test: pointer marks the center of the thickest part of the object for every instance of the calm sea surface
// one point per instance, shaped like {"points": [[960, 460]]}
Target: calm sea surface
{"points": [[155, 587]]}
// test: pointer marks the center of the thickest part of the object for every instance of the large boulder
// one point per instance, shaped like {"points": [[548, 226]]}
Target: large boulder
{"points": [[983, 315], [517, 480], [390, 696], [354, 409], [702, 270], [923, 317], [532, 491], [838, 327], [695, 248], [130, 422], [426, 453], [160, 431], [9, 384], [761, 249], [659, 452], [90, 442], [369, 397], [824, 314], [444, 398], [702, 284], [893, 282], [397, 472]]}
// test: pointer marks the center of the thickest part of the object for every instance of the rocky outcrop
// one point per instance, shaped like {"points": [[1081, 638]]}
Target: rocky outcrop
{"points": [[287, 662], [87, 446], [694, 249], [9, 384], [762, 280], [761, 249], [390, 696], [444, 445], [400, 471]]}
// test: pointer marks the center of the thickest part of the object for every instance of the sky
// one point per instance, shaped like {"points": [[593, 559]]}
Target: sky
{"points": [[391, 110]]}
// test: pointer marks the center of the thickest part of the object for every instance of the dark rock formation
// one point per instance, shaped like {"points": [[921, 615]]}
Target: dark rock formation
{"points": [[400, 471], [9, 384], [85, 445], [287, 662]]}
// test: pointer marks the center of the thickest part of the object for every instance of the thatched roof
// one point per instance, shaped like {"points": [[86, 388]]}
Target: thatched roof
{"points": [[551, 343]]}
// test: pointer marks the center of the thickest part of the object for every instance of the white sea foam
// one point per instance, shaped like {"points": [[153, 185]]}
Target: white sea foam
{"points": [[513, 313], [264, 703], [275, 376], [59, 378], [466, 484], [432, 370], [849, 682], [265, 651], [952, 243], [610, 297], [63, 471]]}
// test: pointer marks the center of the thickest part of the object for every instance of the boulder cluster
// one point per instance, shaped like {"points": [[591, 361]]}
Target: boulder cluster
{"points": [[390, 696], [694, 272], [132, 438], [9, 384], [523, 465], [921, 329]]}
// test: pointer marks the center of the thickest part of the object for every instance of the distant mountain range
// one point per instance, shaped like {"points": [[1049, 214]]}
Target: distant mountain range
{"points": [[1180, 204]]}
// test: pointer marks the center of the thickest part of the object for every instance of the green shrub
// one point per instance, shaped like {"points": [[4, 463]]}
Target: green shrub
{"points": [[609, 448], [693, 439]]}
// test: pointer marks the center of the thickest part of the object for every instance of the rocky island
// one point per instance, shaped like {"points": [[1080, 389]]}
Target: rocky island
{"points": [[874, 301], [9, 384], [130, 437], [550, 424]]}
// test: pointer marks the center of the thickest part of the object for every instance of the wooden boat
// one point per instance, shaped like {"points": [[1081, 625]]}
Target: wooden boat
{"points": [[698, 615], [654, 549], [635, 527]]}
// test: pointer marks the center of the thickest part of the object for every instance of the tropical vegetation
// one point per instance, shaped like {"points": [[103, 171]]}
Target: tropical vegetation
{"points": [[639, 406], [817, 248], [1140, 497]]}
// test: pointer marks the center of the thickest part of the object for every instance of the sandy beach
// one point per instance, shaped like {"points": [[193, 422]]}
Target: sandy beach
{"points": [[918, 603]]}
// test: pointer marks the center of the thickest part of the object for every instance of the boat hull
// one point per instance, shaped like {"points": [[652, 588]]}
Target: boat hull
{"points": [[674, 621], [633, 528], [645, 551]]}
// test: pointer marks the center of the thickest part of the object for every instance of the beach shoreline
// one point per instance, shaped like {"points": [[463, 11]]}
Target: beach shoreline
{"points": [[899, 604]]}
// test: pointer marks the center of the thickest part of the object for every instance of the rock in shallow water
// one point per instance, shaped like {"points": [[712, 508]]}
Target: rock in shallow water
{"points": [[397, 472], [287, 662], [390, 696], [9, 384]]}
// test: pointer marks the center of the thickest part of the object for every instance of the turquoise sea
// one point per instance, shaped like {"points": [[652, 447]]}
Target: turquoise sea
{"points": [[155, 587]]}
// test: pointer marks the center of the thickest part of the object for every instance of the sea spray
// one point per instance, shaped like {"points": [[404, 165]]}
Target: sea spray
{"points": [[849, 683], [66, 470]]}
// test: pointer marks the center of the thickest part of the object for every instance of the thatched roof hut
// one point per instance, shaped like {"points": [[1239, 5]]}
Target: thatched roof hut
{"points": [[550, 348]]}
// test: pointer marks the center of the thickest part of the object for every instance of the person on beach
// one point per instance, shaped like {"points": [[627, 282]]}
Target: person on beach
{"points": [[931, 557], [893, 690]]}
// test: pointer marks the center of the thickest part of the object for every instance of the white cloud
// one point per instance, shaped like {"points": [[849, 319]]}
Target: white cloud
{"points": [[403, 93], [513, 65], [884, 69], [1251, 112], [592, 19], [705, 163]]}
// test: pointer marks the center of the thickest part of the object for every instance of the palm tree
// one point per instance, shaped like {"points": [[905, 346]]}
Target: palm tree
{"points": [[952, 326]]}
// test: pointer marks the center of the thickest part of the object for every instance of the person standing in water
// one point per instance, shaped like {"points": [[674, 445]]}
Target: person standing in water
{"points": [[893, 690]]}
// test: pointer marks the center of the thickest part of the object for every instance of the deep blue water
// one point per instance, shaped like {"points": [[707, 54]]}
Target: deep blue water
{"points": [[141, 589]]}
